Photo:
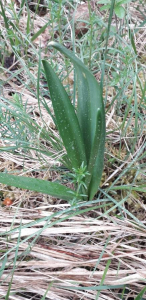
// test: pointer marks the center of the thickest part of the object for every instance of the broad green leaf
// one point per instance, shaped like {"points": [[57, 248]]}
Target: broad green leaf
{"points": [[104, 2], [42, 186], [98, 167], [105, 7], [120, 2], [94, 150], [83, 110], [90, 109], [119, 11], [66, 119], [139, 296], [89, 102]]}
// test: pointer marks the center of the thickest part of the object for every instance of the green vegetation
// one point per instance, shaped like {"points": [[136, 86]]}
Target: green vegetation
{"points": [[82, 133], [76, 224]]}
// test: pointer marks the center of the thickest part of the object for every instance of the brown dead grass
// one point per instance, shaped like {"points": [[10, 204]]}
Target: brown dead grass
{"points": [[72, 253], [68, 253]]}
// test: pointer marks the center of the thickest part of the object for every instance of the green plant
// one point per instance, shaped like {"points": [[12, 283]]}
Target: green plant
{"points": [[78, 177], [119, 10], [81, 129], [139, 296]]}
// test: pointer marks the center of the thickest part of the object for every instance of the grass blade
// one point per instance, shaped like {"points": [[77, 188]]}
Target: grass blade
{"points": [[39, 32], [4, 261], [6, 20]]}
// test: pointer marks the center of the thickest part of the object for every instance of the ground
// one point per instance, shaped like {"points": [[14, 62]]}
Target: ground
{"points": [[95, 249]]}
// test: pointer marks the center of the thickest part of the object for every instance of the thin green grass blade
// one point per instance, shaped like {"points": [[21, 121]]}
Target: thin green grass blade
{"points": [[6, 20], [8, 292], [14, 264], [3, 265], [44, 297], [66, 119], [28, 25], [107, 37], [131, 36], [103, 277], [90, 288], [21, 7], [17, 111], [38, 185], [139, 188], [101, 255], [69, 212], [39, 32]]}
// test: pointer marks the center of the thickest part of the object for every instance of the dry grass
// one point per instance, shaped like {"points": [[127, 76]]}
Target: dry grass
{"points": [[47, 242], [72, 254]]}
